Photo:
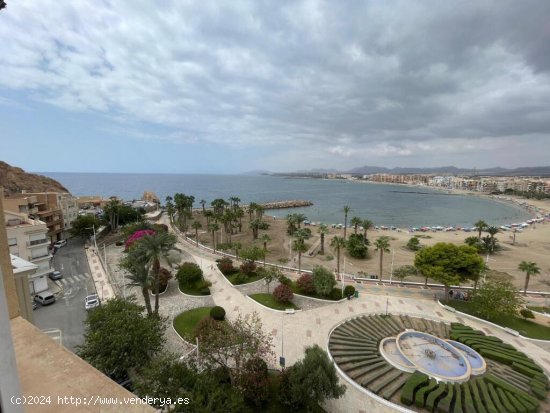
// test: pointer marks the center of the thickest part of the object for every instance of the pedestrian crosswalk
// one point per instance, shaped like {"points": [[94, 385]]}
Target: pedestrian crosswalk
{"points": [[67, 280]]}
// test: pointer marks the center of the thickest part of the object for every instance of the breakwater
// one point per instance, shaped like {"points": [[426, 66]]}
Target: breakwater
{"points": [[295, 203]]}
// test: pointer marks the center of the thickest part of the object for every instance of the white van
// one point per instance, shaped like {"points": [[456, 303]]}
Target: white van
{"points": [[60, 244], [45, 297]]}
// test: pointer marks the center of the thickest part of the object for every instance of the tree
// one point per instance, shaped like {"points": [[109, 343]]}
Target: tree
{"points": [[111, 210], [138, 275], [414, 244], [265, 239], [492, 231], [367, 224], [196, 226], [230, 345], [323, 280], [283, 294], [203, 203], [529, 268], [154, 248], [382, 245], [338, 243], [305, 283], [271, 274], [474, 242], [355, 221], [347, 208], [252, 254], [212, 228], [323, 230], [299, 245], [309, 382], [256, 225], [405, 271], [83, 226], [496, 299], [356, 247], [480, 226], [119, 337], [449, 264], [237, 246], [170, 209], [189, 274]]}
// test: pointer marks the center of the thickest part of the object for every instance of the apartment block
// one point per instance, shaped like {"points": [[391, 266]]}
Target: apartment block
{"points": [[57, 210], [28, 239]]}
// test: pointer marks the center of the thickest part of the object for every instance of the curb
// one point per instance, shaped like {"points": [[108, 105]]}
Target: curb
{"points": [[321, 299], [271, 309], [178, 334], [505, 329], [194, 296]]}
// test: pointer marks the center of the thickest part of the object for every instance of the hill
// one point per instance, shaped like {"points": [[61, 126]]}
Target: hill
{"points": [[15, 180]]}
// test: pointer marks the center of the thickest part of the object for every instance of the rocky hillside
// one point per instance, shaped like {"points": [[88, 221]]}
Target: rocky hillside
{"points": [[16, 179]]}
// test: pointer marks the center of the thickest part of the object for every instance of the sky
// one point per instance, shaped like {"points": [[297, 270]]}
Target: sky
{"points": [[229, 87]]}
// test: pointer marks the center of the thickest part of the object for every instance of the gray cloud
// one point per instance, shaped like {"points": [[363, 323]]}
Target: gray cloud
{"points": [[352, 81]]}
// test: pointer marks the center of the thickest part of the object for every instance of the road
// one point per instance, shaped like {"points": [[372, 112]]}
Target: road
{"points": [[67, 314]]}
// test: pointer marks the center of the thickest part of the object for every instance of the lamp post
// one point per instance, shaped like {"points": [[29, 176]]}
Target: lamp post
{"points": [[391, 267]]}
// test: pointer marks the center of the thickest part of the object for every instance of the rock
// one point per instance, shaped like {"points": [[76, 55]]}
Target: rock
{"points": [[150, 197], [14, 180]]}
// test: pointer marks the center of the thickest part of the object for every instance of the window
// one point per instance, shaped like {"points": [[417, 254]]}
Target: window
{"points": [[12, 241]]}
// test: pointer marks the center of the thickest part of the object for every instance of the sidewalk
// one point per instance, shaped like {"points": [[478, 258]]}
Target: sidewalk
{"points": [[101, 282]]}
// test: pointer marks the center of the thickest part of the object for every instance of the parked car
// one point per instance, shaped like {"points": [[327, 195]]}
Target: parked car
{"points": [[60, 244], [91, 301], [45, 297], [56, 275]]}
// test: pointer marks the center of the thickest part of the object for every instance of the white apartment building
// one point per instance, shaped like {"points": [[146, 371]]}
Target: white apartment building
{"points": [[27, 239], [69, 209]]}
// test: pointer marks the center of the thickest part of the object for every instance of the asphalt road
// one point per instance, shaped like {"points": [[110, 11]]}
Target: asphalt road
{"points": [[67, 314]]}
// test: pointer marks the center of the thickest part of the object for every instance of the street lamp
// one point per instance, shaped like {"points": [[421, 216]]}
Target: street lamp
{"points": [[391, 270], [93, 229]]}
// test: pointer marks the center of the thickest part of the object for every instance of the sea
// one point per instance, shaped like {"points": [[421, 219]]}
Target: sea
{"points": [[391, 205]]}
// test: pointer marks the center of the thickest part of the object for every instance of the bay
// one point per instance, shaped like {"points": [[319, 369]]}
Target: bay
{"points": [[383, 204]]}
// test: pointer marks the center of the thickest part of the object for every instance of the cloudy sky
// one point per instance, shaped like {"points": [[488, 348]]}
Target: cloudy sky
{"points": [[211, 86]]}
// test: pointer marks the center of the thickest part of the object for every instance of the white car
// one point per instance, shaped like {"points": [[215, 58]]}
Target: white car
{"points": [[60, 244], [91, 301]]}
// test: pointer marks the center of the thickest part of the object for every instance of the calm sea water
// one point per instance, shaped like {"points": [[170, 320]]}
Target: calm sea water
{"points": [[383, 204]]}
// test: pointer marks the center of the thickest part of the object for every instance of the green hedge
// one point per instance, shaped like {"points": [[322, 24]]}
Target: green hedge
{"points": [[480, 408], [444, 405], [504, 399], [458, 399], [528, 371], [420, 396], [494, 396], [538, 390], [433, 397], [468, 401], [490, 378], [484, 392], [415, 382]]}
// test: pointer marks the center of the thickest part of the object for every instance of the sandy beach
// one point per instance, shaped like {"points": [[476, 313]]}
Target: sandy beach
{"points": [[532, 244]]}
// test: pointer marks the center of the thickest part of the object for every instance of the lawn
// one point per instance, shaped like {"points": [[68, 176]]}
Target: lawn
{"points": [[250, 279], [186, 322], [526, 328], [539, 309], [269, 301], [335, 295]]}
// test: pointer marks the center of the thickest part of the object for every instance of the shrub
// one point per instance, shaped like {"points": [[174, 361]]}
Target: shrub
{"points": [[356, 246], [164, 276], [283, 279], [137, 236], [189, 274], [283, 293], [240, 278], [217, 313], [204, 326], [119, 243], [225, 265], [414, 244], [248, 268], [526, 313], [420, 396], [203, 287], [323, 280], [160, 227], [349, 290], [329, 258], [431, 400], [305, 284], [414, 382]]}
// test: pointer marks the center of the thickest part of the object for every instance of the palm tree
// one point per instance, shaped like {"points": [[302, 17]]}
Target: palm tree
{"points": [[323, 230], [153, 248], [209, 215], [213, 227], [196, 226], [338, 243], [529, 268], [492, 231], [237, 246], [203, 203], [239, 214], [112, 211], [382, 244], [139, 276], [367, 224], [347, 208], [299, 245], [170, 207], [355, 221], [480, 226], [265, 239]]}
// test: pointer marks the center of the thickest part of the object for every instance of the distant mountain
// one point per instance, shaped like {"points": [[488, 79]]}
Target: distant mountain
{"points": [[15, 180], [256, 172]]}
